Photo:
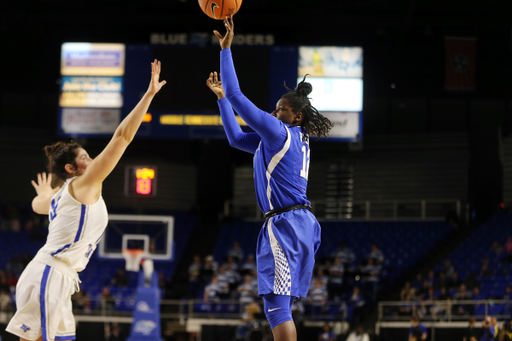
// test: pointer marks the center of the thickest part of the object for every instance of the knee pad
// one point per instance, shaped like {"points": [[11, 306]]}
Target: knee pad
{"points": [[277, 309]]}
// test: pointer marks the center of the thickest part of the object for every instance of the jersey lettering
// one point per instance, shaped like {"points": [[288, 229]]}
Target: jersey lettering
{"points": [[54, 205]]}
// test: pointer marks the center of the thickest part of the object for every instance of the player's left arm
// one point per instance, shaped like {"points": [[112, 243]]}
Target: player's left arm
{"points": [[271, 130], [45, 192]]}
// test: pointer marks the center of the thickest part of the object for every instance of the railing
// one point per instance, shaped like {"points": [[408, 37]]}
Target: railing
{"points": [[431, 209], [444, 310], [93, 308]]}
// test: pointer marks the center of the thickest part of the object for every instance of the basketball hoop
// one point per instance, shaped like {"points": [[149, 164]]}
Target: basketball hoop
{"points": [[133, 258]]}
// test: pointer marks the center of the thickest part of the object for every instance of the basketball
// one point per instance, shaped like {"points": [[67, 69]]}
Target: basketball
{"points": [[219, 9]]}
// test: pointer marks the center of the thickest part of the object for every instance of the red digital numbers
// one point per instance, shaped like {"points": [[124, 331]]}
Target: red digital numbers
{"points": [[144, 179]]}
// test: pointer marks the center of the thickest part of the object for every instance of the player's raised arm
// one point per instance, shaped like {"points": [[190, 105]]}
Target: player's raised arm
{"points": [[45, 192], [270, 129], [87, 186], [237, 138]]}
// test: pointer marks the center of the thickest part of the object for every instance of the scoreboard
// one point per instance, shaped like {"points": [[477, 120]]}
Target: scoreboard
{"points": [[101, 83]]}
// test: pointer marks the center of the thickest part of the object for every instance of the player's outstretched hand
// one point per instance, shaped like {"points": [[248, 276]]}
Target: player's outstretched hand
{"points": [[225, 42], [155, 85], [44, 184], [215, 85]]}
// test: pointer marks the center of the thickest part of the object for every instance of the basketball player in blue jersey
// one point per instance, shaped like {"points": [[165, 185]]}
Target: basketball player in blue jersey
{"points": [[290, 236], [78, 217]]}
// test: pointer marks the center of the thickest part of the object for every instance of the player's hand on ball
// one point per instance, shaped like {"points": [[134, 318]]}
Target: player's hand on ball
{"points": [[225, 42], [215, 85], [155, 85], [44, 184]]}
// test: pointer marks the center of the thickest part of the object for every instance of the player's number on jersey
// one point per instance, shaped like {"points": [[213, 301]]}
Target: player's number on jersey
{"points": [[304, 172]]}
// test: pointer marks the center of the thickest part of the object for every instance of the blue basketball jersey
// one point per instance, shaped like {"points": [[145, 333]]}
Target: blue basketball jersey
{"points": [[281, 174]]}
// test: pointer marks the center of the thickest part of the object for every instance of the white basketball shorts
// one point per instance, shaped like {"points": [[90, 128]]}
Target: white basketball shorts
{"points": [[43, 302]]}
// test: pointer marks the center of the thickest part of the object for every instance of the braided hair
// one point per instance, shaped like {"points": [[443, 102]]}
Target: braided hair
{"points": [[59, 155], [312, 121]]}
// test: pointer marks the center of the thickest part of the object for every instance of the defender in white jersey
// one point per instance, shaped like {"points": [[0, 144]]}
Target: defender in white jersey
{"points": [[78, 217]]}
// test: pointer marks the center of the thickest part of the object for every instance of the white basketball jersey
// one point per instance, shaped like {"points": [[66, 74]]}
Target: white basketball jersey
{"points": [[75, 229]]}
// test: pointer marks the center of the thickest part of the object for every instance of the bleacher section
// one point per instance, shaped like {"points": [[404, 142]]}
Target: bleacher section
{"points": [[470, 255]]}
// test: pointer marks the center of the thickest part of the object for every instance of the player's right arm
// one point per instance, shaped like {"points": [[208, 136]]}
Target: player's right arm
{"points": [[87, 187], [45, 192], [247, 142]]}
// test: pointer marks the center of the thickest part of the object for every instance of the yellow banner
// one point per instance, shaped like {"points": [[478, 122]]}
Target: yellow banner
{"points": [[195, 120]]}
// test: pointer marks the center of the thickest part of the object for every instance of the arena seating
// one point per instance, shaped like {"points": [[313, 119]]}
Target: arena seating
{"points": [[470, 255]]}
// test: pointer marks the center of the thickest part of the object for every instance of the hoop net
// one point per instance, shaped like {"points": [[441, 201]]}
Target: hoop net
{"points": [[133, 258]]}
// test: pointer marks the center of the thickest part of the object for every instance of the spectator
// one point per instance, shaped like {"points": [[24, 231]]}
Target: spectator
{"points": [[417, 331], [247, 290], [442, 281], [488, 330], [209, 268], [424, 289], [462, 292], [232, 276], [477, 295], [485, 271], [347, 255], [236, 252], [430, 295], [431, 278], [336, 278], [120, 279], [249, 265], [508, 293], [358, 335], [470, 333], [496, 248], [320, 275], [15, 265], [6, 305], [3, 281], [471, 280], [376, 254], [196, 265], [357, 302], [454, 282], [508, 245], [212, 290], [448, 268], [371, 271], [318, 296], [230, 263], [113, 332], [327, 334], [494, 323], [444, 295], [506, 332], [11, 279], [25, 259], [407, 290], [255, 277], [194, 285], [222, 280], [81, 302], [406, 309], [462, 309], [107, 302], [418, 282]]}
